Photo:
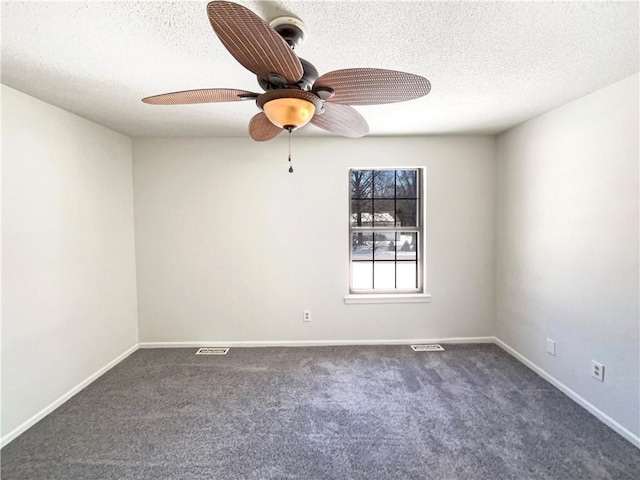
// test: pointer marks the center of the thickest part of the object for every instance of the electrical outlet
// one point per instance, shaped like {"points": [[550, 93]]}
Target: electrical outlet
{"points": [[551, 347], [306, 315], [597, 370]]}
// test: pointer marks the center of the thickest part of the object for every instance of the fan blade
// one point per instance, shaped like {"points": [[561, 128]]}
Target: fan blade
{"points": [[205, 95], [372, 86], [261, 129], [341, 119], [252, 42]]}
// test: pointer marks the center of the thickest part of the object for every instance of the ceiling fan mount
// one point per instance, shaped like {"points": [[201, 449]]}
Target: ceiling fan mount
{"points": [[291, 29], [295, 93]]}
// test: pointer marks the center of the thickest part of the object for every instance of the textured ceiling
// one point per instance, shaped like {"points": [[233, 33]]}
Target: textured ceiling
{"points": [[492, 65]]}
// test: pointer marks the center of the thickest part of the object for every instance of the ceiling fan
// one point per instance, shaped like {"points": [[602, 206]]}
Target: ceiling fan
{"points": [[294, 92]]}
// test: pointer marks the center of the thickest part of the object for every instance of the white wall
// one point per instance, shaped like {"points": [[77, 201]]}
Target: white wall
{"points": [[567, 245], [68, 269], [231, 247]]}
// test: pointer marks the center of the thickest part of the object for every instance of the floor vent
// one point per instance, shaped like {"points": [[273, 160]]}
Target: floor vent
{"points": [[212, 351], [428, 348]]}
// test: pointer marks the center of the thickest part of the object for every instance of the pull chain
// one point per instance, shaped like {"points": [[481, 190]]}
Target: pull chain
{"points": [[290, 167]]}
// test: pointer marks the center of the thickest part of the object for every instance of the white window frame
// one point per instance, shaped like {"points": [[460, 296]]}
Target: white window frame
{"points": [[416, 295]]}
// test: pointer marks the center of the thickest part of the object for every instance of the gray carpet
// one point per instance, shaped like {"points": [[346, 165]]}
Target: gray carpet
{"points": [[471, 412]]}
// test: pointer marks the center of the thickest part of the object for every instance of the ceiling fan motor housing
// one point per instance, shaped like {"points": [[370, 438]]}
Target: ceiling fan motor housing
{"points": [[275, 81]]}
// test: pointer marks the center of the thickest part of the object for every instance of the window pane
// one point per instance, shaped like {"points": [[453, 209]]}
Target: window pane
{"points": [[406, 184], [361, 183], [406, 213], [406, 275], [384, 275], [407, 245], [362, 275], [361, 246], [383, 213], [384, 183], [361, 214], [384, 246]]}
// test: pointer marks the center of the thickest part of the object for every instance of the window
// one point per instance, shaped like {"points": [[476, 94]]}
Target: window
{"points": [[386, 231]]}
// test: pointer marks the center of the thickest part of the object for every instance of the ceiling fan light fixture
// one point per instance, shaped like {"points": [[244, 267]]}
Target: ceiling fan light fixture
{"points": [[289, 112]]}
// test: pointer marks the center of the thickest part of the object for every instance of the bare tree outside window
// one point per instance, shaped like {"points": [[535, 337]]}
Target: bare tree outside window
{"points": [[361, 188]]}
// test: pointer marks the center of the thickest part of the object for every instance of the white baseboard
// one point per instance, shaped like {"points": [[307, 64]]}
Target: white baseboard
{"points": [[593, 410], [51, 407], [314, 343]]}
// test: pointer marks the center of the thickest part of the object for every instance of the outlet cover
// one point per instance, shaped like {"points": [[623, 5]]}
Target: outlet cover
{"points": [[597, 370], [551, 347]]}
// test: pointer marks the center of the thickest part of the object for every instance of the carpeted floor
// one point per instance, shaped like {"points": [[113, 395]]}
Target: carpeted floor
{"points": [[471, 412]]}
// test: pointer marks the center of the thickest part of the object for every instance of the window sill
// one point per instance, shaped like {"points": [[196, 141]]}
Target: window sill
{"points": [[387, 298]]}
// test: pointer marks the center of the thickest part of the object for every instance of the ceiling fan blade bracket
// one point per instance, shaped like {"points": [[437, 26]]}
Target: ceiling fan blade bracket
{"points": [[276, 79], [248, 96], [325, 93]]}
